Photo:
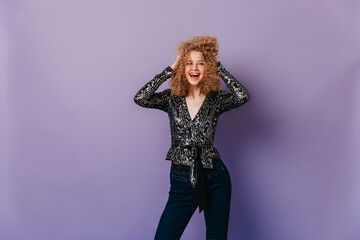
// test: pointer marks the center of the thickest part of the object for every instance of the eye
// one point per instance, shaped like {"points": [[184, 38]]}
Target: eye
{"points": [[188, 63], [201, 63]]}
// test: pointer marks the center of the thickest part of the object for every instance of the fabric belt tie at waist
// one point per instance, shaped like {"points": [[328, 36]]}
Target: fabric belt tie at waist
{"points": [[197, 178]]}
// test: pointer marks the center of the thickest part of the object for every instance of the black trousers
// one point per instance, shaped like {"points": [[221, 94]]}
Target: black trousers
{"points": [[183, 201]]}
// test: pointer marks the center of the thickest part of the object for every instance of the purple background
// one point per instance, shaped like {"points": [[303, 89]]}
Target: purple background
{"points": [[81, 161]]}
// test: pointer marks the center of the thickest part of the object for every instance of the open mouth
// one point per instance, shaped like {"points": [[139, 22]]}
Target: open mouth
{"points": [[194, 76]]}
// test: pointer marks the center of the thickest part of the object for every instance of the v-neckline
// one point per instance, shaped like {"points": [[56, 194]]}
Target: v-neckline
{"points": [[197, 113]]}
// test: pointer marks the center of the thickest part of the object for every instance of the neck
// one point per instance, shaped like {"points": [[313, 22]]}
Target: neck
{"points": [[194, 91]]}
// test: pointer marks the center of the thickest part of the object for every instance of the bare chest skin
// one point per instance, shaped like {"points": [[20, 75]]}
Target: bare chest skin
{"points": [[194, 105]]}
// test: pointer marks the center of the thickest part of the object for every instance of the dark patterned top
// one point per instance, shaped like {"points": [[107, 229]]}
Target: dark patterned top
{"points": [[188, 134]]}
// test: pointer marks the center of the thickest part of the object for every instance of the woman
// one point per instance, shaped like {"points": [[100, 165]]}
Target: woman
{"points": [[198, 177]]}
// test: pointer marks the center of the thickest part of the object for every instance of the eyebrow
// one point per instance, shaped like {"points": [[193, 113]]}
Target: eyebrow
{"points": [[192, 60]]}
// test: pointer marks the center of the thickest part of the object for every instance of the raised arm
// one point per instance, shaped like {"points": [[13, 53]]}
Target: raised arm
{"points": [[239, 94], [146, 96]]}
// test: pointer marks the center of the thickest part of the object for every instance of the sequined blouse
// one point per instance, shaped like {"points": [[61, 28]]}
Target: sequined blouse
{"points": [[187, 134]]}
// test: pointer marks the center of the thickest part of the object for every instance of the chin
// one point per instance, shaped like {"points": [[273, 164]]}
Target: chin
{"points": [[194, 83]]}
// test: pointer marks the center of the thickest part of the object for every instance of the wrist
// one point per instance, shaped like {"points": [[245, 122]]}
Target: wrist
{"points": [[167, 72], [219, 67]]}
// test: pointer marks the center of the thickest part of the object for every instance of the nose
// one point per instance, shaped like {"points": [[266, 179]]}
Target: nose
{"points": [[194, 66]]}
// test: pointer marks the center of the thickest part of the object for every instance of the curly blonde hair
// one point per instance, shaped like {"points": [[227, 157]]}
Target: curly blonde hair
{"points": [[209, 47]]}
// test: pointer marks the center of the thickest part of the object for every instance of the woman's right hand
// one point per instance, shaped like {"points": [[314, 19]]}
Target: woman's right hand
{"points": [[175, 62]]}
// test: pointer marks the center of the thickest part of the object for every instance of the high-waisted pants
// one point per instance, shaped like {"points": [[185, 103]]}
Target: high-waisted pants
{"points": [[182, 203]]}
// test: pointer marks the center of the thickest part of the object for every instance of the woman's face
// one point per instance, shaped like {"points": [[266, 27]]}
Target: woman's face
{"points": [[194, 67]]}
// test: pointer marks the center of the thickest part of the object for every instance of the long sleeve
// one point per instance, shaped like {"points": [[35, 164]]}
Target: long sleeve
{"points": [[238, 96], [146, 96]]}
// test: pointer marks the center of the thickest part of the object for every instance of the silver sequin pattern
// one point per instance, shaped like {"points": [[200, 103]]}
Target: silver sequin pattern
{"points": [[187, 133]]}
